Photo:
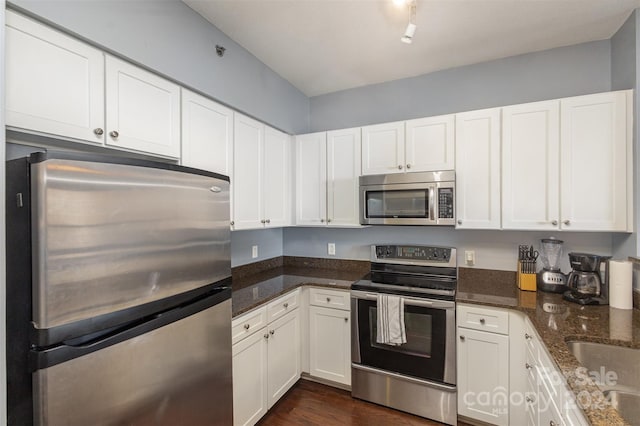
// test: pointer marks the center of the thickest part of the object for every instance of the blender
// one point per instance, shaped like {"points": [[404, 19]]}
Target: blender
{"points": [[550, 278]]}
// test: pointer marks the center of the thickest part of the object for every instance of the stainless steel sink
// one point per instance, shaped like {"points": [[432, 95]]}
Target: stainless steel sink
{"points": [[616, 371]]}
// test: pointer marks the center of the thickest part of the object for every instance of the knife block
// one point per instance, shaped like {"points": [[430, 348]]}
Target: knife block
{"points": [[526, 282]]}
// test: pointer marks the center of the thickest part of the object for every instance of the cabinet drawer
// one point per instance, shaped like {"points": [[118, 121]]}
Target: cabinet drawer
{"points": [[483, 319], [283, 305], [335, 299], [247, 324]]}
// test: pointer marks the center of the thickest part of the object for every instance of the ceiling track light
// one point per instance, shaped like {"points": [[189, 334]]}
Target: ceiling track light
{"points": [[411, 27]]}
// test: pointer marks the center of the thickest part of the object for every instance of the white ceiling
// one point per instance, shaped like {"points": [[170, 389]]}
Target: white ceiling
{"points": [[322, 46]]}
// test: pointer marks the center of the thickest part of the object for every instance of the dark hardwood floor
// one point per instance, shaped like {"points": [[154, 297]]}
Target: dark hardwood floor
{"points": [[310, 404]]}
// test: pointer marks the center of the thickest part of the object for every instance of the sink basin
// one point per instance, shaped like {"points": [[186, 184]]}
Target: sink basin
{"points": [[616, 371]]}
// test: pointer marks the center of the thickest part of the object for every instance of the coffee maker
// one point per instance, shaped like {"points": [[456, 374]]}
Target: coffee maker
{"points": [[585, 283]]}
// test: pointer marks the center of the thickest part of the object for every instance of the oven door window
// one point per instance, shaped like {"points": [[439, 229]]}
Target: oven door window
{"points": [[405, 203], [423, 356]]}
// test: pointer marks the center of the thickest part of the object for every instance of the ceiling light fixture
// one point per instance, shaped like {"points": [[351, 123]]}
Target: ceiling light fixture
{"points": [[411, 27]]}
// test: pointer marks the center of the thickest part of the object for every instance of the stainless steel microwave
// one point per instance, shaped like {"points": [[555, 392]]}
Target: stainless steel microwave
{"points": [[423, 198]]}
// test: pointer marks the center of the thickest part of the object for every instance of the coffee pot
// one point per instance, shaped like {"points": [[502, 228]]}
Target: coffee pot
{"points": [[585, 281]]}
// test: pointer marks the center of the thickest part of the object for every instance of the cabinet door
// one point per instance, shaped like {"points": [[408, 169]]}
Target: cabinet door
{"points": [[250, 379], [383, 148], [207, 134], [330, 344], [143, 110], [483, 376], [311, 179], [478, 169], [343, 173], [430, 143], [530, 166], [54, 83], [276, 181], [594, 150], [247, 173], [283, 358]]}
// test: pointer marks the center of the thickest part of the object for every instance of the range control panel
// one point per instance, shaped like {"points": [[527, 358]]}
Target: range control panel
{"points": [[412, 253]]}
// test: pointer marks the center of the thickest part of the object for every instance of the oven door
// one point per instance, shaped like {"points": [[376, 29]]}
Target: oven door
{"points": [[429, 353]]}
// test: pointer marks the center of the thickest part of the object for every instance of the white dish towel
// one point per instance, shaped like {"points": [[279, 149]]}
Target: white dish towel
{"points": [[391, 320]]}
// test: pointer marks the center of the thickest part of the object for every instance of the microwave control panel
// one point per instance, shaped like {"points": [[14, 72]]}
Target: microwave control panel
{"points": [[445, 203]]}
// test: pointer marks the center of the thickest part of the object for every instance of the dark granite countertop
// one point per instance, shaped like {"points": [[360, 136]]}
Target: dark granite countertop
{"points": [[557, 322]]}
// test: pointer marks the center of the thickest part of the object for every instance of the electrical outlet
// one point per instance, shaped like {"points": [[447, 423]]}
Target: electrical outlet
{"points": [[331, 249], [254, 252], [469, 257]]}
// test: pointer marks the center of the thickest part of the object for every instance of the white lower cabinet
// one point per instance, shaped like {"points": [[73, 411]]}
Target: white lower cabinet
{"points": [[330, 344], [266, 359]]}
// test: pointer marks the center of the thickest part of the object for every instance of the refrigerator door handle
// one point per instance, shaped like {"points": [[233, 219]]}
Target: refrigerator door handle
{"points": [[48, 357]]}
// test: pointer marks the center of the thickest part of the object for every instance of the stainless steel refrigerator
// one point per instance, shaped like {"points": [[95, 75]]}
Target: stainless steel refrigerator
{"points": [[118, 293]]}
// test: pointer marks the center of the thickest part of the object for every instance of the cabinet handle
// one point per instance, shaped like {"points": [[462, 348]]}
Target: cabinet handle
{"points": [[268, 220], [346, 319], [528, 366], [459, 221], [246, 326], [530, 400], [232, 223], [328, 220], [114, 134], [482, 321], [272, 332], [554, 222], [266, 335], [462, 338], [399, 166], [262, 221], [321, 220], [552, 423], [286, 305], [328, 299], [408, 166], [98, 131], [527, 336], [566, 222]]}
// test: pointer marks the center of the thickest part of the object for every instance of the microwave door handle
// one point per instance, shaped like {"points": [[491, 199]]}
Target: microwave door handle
{"points": [[432, 202]]}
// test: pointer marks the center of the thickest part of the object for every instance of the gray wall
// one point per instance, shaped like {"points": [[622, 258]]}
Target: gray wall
{"points": [[493, 249], [555, 73], [269, 242], [170, 38]]}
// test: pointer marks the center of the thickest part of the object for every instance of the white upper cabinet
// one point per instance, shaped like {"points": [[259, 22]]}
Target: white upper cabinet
{"points": [[327, 173], [594, 170], [54, 83], [530, 166], [343, 173], [478, 169], [261, 176], [383, 148], [311, 179], [207, 134], [430, 144], [276, 178], [143, 110]]}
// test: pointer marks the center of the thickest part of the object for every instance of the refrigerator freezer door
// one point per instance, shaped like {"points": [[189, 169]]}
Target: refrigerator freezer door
{"points": [[107, 237], [179, 374]]}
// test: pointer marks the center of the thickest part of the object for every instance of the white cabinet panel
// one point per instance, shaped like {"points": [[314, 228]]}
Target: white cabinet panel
{"points": [[250, 379], [383, 148], [276, 180], [207, 134], [343, 172], [531, 166], [594, 162], [283, 355], [54, 83], [330, 344], [478, 169], [311, 177], [247, 173], [430, 144], [143, 110]]}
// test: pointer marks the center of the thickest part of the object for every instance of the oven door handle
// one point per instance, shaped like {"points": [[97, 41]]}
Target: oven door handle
{"points": [[411, 301]]}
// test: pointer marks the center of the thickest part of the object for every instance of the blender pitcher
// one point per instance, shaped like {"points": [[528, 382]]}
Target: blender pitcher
{"points": [[550, 278]]}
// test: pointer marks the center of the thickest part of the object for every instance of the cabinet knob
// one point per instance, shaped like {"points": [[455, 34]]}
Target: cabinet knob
{"points": [[566, 222], [459, 221], [272, 332], [328, 220], [554, 222], [528, 366], [114, 134], [98, 131], [482, 321], [268, 220], [321, 220], [246, 326], [408, 166], [399, 166], [529, 399], [552, 423], [462, 338], [286, 305], [262, 221], [527, 336], [346, 319], [232, 223], [328, 299], [266, 335]]}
